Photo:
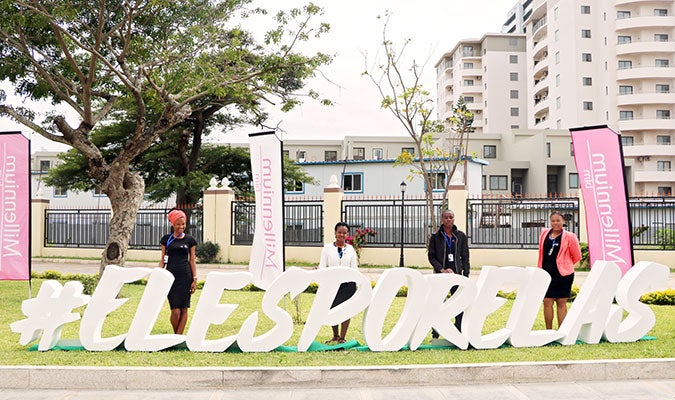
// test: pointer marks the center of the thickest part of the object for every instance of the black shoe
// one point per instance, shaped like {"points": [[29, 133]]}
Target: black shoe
{"points": [[434, 335]]}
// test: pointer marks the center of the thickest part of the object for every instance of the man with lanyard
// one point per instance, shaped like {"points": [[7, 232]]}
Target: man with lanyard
{"points": [[448, 252]]}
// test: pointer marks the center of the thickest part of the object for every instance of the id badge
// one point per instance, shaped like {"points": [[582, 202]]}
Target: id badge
{"points": [[166, 259], [451, 257]]}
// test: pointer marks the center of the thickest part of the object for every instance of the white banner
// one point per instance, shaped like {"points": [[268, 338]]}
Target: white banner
{"points": [[267, 252]]}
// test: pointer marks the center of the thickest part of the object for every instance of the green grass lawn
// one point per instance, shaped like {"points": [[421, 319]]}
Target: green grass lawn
{"points": [[11, 353]]}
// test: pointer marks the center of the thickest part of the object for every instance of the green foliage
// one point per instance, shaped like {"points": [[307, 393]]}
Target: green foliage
{"points": [[207, 252], [585, 262], [89, 282], [360, 238], [666, 238], [662, 298]]}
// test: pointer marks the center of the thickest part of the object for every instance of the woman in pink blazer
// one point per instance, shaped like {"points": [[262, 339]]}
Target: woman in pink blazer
{"points": [[559, 250]]}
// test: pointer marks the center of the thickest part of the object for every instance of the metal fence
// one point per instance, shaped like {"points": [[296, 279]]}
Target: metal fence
{"points": [[515, 222], [90, 228], [653, 220], [385, 217], [303, 223]]}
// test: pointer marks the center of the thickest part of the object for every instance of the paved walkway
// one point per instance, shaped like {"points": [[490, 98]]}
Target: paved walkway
{"points": [[614, 390]]}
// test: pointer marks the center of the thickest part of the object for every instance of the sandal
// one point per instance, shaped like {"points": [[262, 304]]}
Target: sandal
{"points": [[334, 340], [341, 340]]}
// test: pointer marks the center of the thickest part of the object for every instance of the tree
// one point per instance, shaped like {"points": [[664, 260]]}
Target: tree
{"points": [[155, 60], [404, 95]]}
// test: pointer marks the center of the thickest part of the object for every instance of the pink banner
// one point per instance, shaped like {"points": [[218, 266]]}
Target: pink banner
{"points": [[14, 206], [599, 161]]}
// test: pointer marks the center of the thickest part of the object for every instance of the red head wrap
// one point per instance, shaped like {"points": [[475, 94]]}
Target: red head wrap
{"points": [[175, 215]]}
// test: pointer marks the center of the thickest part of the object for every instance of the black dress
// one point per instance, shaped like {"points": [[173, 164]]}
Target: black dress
{"points": [[178, 251], [560, 286]]}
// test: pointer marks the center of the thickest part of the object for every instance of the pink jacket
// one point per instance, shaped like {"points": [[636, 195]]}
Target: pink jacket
{"points": [[568, 255]]}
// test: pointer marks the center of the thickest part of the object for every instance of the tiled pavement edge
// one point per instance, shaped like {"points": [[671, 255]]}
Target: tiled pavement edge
{"points": [[164, 378]]}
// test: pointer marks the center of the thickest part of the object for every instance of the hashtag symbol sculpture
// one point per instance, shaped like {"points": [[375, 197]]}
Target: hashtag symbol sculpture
{"points": [[48, 312]]}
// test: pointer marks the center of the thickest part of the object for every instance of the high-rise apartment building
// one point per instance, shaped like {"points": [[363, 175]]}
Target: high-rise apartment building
{"points": [[585, 63]]}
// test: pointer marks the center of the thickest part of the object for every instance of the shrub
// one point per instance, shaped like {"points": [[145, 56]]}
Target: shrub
{"points": [[660, 298], [207, 252]]}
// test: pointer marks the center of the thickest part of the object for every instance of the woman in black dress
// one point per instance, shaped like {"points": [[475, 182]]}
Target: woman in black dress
{"points": [[559, 250], [178, 257]]}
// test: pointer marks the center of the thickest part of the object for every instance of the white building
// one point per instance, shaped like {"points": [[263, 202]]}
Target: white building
{"points": [[582, 63]]}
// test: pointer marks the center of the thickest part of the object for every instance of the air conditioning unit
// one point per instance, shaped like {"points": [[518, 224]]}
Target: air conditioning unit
{"points": [[479, 78], [643, 158]]}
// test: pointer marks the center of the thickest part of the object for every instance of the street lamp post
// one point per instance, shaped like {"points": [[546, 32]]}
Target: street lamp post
{"points": [[403, 188]]}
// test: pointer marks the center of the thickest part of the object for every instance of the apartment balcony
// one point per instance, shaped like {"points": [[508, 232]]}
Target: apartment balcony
{"points": [[645, 73], [649, 150], [638, 2], [448, 83], [539, 29], [645, 124], [541, 105], [540, 68], [644, 47], [654, 176], [471, 72], [471, 89], [540, 46], [647, 21], [645, 98], [467, 55]]}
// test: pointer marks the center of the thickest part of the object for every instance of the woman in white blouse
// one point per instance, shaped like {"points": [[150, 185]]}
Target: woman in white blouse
{"points": [[340, 254]]}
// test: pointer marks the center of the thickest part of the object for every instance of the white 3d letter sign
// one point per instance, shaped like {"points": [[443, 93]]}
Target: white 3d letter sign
{"points": [[591, 317]]}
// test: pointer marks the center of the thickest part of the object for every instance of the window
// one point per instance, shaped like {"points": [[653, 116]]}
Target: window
{"points": [[625, 115], [557, 80], [660, 88], [586, 57], [467, 51], [468, 65], [585, 33], [557, 57], [301, 156], [625, 89], [662, 114], [352, 182], [515, 111], [665, 190], [45, 165], [468, 82], [622, 14], [625, 64], [557, 103], [330, 155], [627, 140], [660, 37], [663, 165], [410, 150], [572, 149], [661, 63], [574, 180], [58, 192], [663, 140], [438, 180], [377, 153], [587, 81], [588, 105], [489, 151], [513, 42], [661, 12], [622, 39], [359, 153], [513, 76], [498, 182], [585, 9], [514, 94], [298, 187], [515, 126], [513, 59], [556, 35], [483, 182], [468, 99], [548, 149]]}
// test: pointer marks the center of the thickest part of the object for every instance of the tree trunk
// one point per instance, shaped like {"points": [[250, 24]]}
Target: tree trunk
{"points": [[125, 197]]}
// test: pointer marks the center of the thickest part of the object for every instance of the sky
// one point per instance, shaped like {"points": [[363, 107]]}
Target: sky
{"points": [[434, 28]]}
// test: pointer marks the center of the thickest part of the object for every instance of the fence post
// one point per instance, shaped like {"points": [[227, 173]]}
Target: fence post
{"points": [[583, 234], [38, 208], [457, 202], [217, 217], [332, 208]]}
